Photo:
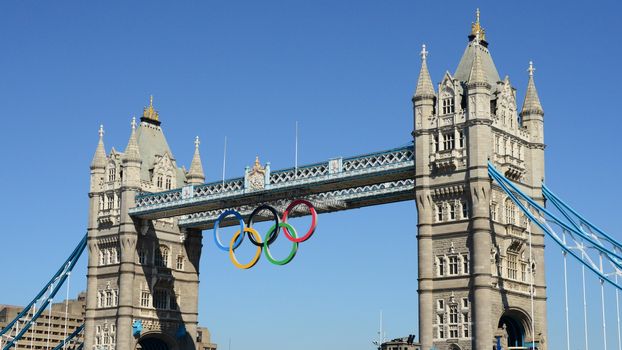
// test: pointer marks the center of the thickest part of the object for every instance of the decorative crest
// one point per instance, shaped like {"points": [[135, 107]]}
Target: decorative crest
{"points": [[150, 113], [476, 28], [257, 175]]}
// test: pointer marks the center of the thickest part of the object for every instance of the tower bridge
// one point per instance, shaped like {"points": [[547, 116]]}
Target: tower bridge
{"points": [[475, 169]]}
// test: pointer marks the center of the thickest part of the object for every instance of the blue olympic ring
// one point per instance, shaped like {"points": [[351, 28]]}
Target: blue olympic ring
{"points": [[240, 238]]}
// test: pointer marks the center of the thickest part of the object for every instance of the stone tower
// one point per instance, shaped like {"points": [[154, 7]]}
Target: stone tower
{"points": [[476, 267], [143, 277]]}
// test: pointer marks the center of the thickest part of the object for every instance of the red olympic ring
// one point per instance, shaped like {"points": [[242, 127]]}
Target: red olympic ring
{"points": [[291, 206]]}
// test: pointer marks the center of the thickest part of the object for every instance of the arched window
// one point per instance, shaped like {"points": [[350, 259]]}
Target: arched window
{"points": [[159, 183], [168, 182], [161, 258]]}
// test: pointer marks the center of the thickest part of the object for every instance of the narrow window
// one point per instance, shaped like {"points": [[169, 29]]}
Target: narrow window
{"points": [[108, 298], [465, 304], [110, 201], [512, 268], [440, 304], [461, 140], [159, 183], [497, 144], [142, 257], [465, 209], [453, 265], [180, 262], [439, 212], [441, 266], [436, 144], [452, 211], [168, 183], [510, 210], [115, 297], [440, 319], [161, 258], [465, 264], [111, 174], [523, 271]]}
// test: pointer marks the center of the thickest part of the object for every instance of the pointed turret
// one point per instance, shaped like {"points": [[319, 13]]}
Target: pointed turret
{"points": [[195, 174], [477, 77], [132, 152], [531, 105], [99, 158], [532, 114], [425, 89]]}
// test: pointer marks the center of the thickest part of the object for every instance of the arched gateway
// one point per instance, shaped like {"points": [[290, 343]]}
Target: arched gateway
{"points": [[475, 268]]}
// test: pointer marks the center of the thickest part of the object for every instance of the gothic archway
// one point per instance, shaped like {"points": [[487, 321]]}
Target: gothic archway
{"points": [[154, 342], [514, 326]]}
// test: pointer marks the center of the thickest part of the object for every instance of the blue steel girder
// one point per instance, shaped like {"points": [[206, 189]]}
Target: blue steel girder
{"points": [[337, 184]]}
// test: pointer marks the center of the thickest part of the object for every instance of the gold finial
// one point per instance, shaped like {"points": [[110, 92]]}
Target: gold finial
{"points": [[257, 163], [151, 96], [133, 123], [477, 28], [196, 142], [531, 69], [424, 53], [150, 112], [101, 131]]}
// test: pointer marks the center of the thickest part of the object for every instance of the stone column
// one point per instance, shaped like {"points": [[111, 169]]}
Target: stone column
{"points": [[91, 276]]}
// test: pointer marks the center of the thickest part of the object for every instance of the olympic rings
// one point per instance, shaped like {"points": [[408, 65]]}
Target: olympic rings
{"points": [[217, 223], [266, 244], [255, 259], [274, 234], [307, 235], [269, 238]]}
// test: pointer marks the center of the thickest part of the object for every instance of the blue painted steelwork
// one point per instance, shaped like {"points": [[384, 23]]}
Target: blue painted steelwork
{"points": [[43, 299], [572, 227], [309, 180]]}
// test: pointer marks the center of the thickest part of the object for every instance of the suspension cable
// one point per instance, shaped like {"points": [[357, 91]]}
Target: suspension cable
{"points": [[67, 307], [566, 296], [587, 347], [602, 299], [618, 313]]}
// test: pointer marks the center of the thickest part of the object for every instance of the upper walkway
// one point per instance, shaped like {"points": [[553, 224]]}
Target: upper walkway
{"points": [[337, 184]]}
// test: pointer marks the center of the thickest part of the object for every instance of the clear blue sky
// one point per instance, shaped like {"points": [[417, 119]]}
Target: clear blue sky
{"points": [[248, 70]]}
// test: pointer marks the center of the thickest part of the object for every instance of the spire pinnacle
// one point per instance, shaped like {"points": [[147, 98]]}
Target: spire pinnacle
{"points": [[476, 28], [424, 53], [132, 152], [99, 158], [150, 114], [531, 105], [477, 76], [195, 175], [425, 89]]}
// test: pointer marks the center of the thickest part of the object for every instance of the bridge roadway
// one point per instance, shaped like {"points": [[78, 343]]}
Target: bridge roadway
{"points": [[338, 184]]}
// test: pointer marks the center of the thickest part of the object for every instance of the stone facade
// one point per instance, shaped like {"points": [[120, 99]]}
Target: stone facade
{"points": [[142, 276], [476, 267]]}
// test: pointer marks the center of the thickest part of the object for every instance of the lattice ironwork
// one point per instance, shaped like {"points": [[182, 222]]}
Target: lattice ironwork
{"points": [[324, 202]]}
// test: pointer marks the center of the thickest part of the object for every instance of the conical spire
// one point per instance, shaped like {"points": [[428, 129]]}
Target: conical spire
{"points": [[477, 76], [99, 159], [425, 89], [531, 105], [132, 153], [195, 174]]}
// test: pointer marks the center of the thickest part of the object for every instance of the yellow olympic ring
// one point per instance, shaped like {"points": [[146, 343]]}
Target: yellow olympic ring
{"points": [[255, 259]]}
